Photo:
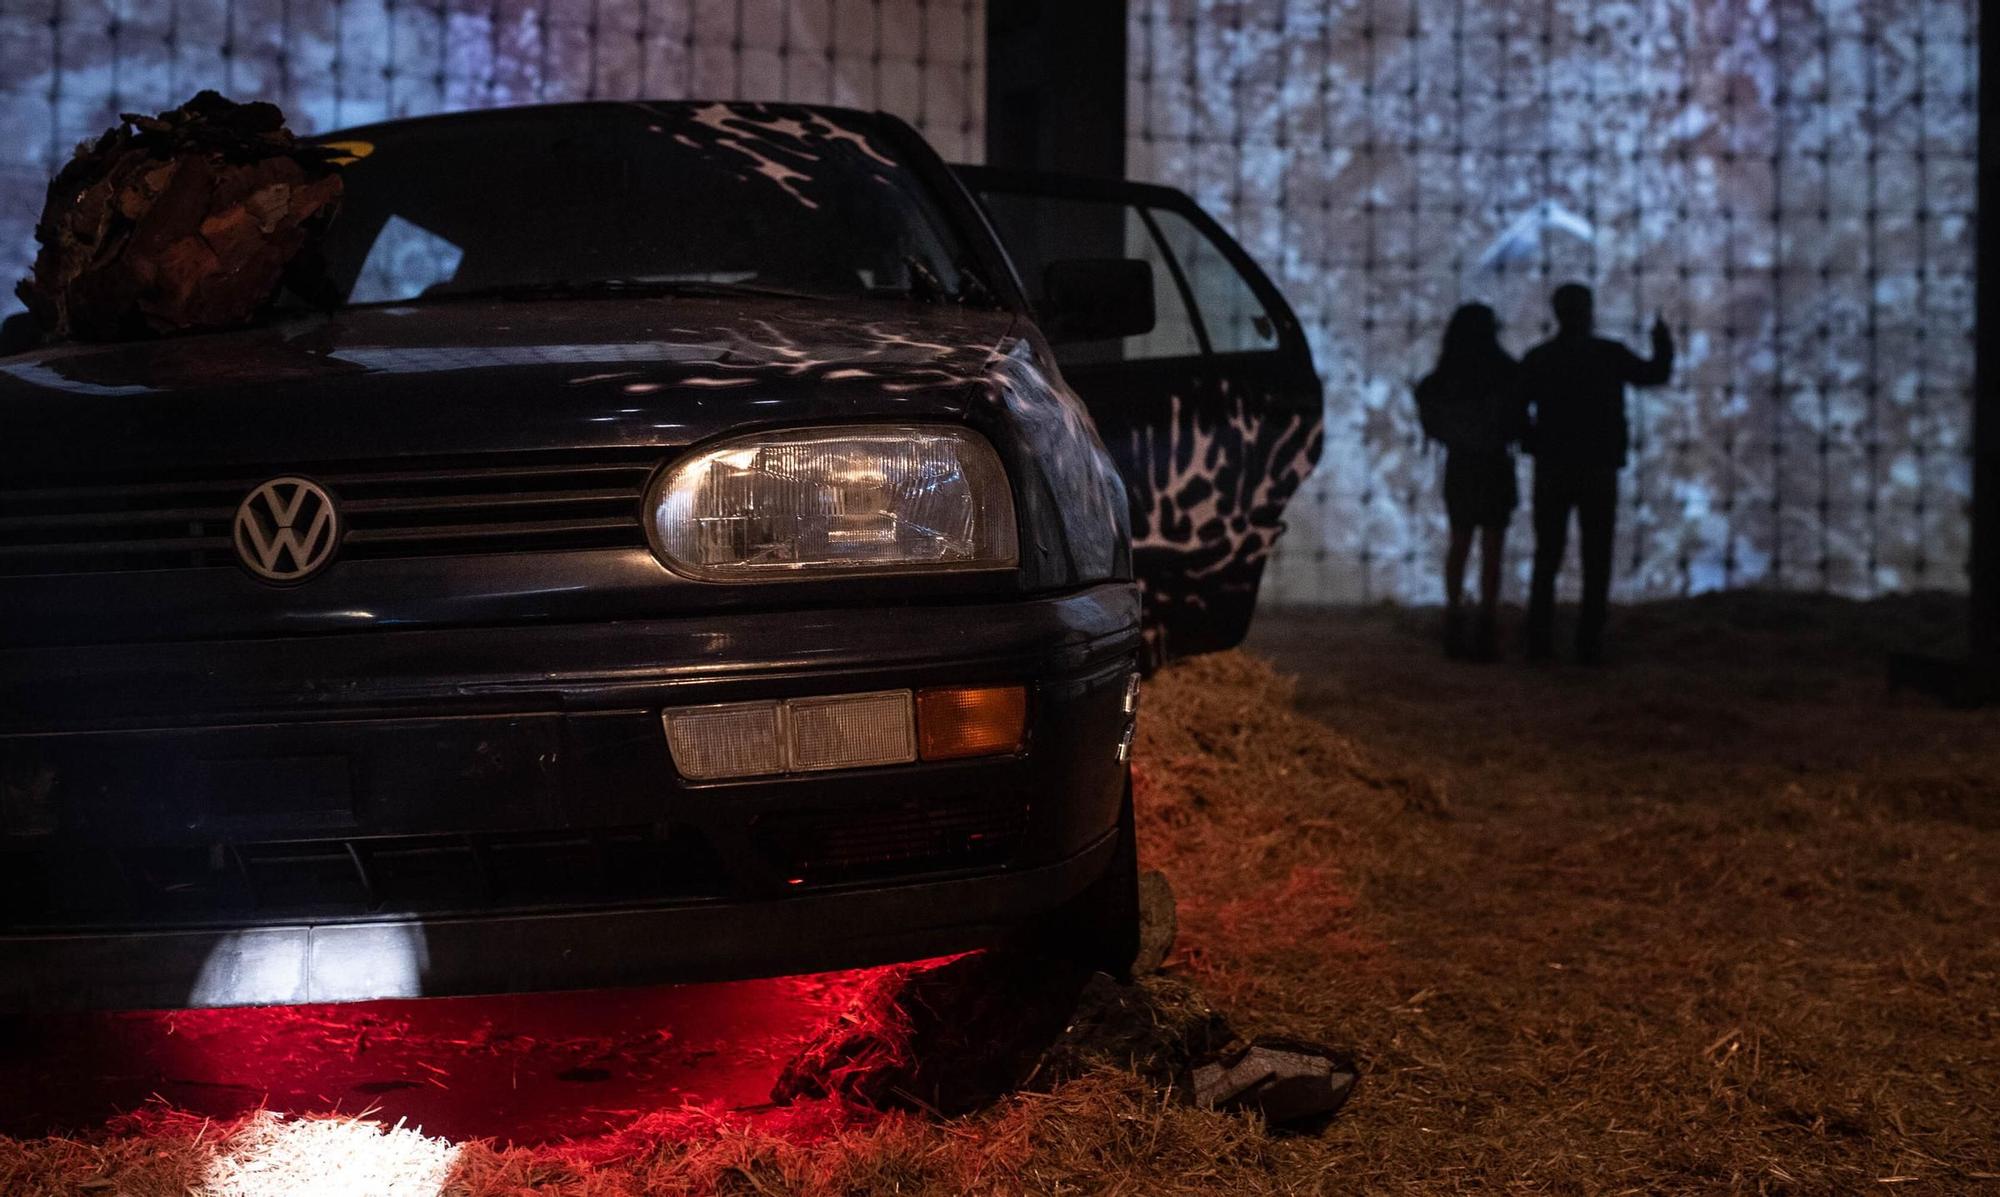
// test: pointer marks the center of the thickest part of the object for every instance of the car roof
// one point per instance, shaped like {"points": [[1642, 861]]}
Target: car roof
{"points": [[501, 112]]}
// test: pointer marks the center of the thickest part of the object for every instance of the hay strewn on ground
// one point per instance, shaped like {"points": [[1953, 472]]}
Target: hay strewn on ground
{"points": [[1719, 918]]}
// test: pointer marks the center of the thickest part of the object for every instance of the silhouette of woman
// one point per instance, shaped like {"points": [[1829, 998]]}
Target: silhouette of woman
{"points": [[1470, 403]]}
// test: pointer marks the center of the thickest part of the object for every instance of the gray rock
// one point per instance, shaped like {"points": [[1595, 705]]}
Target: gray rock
{"points": [[1293, 1084]]}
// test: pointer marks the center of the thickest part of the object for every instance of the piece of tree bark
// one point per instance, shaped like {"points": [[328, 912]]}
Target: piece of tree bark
{"points": [[190, 220]]}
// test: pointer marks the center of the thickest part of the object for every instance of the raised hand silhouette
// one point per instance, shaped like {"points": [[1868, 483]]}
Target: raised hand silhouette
{"points": [[1574, 388]]}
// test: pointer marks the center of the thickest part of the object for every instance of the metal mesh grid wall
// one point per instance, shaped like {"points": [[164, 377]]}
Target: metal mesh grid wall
{"points": [[1789, 181], [68, 67]]}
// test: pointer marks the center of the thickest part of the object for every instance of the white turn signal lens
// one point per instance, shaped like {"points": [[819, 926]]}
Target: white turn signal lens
{"points": [[852, 730], [864, 498], [737, 739]]}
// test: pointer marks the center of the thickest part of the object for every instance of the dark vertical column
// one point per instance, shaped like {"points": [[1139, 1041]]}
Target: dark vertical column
{"points": [[1055, 85], [1986, 365], [1977, 680]]}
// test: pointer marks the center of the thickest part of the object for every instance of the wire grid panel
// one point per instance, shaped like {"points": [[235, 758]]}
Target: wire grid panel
{"points": [[69, 67], [1789, 183]]}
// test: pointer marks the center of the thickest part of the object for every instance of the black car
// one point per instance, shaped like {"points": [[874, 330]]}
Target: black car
{"points": [[679, 556]]}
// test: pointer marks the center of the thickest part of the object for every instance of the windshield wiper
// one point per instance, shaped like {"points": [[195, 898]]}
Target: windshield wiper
{"points": [[927, 287], [597, 287], [972, 286]]}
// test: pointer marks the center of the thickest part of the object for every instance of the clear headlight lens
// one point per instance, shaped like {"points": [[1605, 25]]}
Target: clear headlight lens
{"points": [[881, 498]]}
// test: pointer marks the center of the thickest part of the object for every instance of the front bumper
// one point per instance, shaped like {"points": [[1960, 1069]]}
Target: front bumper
{"points": [[555, 949], [492, 809]]}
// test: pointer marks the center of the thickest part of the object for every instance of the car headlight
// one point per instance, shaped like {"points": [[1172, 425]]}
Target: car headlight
{"points": [[864, 498]]}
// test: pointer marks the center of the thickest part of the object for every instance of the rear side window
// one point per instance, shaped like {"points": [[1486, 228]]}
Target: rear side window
{"points": [[1039, 229]]}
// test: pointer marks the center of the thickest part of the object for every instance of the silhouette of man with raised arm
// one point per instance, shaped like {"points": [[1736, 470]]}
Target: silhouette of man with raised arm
{"points": [[1574, 387]]}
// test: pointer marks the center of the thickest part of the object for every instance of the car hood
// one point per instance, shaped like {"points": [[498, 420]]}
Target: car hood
{"points": [[478, 377]]}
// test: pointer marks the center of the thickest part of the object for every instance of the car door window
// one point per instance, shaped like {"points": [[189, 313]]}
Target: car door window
{"points": [[1236, 320], [1039, 229]]}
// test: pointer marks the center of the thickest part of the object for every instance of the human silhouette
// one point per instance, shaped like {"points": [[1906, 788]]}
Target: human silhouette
{"points": [[1574, 387], [1469, 403]]}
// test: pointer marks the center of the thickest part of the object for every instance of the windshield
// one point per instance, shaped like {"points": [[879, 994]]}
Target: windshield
{"points": [[619, 198]]}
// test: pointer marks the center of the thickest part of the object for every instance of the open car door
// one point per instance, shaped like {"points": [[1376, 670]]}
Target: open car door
{"points": [[1213, 417]]}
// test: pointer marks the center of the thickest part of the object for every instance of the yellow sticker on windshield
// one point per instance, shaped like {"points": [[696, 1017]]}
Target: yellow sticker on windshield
{"points": [[350, 151]]}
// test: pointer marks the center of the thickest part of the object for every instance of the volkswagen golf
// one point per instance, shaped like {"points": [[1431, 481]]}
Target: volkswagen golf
{"points": [[698, 540]]}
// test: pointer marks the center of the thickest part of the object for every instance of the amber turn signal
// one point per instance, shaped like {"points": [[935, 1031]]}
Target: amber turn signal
{"points": [[971, 721]]}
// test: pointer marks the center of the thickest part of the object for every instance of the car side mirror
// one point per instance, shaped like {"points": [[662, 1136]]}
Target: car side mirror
{"points": [[1093, 299]]}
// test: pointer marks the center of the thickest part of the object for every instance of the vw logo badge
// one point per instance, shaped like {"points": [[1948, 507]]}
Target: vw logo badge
{"points": [[286, 530]]}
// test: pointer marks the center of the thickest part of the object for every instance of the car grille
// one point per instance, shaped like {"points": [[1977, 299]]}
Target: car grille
{"points": [[42, 887], [932, 835], [405, 508]]}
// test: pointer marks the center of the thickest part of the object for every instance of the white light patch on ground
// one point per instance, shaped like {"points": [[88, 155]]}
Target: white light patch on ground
{"points": [[329, 1157]]}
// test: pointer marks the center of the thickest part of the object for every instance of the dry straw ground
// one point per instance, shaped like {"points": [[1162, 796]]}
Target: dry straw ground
{"points": [[1718, 918]]}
